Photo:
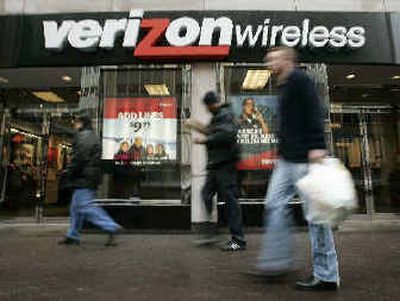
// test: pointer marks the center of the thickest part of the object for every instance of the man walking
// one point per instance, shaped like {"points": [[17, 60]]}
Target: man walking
{"points": [[301, 141], [223, 154], [84, 174]]}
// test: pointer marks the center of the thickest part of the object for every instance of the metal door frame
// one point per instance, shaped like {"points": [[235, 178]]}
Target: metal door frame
{"points": [[361, 110]]}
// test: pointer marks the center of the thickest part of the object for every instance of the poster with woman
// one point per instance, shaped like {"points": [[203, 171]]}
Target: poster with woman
{"points": [[140, 131], [257, 119]]}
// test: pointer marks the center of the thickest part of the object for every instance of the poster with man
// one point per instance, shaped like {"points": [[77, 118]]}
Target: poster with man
{"points": [[257, 119], [140, 131]]}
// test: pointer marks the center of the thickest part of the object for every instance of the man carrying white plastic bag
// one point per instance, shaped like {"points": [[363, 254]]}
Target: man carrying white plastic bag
{"points": [[330, 192], [301, 141]]}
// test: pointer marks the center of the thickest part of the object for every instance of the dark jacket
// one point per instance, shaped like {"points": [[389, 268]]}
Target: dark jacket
{"points": [[221, 138], [301, 123], [84, 170]]}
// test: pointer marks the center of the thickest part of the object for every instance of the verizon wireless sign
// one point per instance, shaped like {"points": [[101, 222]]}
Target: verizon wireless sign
{"points": [[189, 38]]}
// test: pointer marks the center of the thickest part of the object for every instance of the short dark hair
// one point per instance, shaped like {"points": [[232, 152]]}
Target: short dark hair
{"points": [[211, 98], [290, 53]]}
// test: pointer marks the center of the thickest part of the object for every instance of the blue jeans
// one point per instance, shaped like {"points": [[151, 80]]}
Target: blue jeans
{"points": [[82, 208], [276, 251]]}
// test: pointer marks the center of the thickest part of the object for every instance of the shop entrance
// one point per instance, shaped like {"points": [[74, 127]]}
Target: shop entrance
{"points": [[38, 107], [366, 139], [36, 149]]}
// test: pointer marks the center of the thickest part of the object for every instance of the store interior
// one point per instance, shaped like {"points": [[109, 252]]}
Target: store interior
{"points": [[366, 131], [38, 107]]}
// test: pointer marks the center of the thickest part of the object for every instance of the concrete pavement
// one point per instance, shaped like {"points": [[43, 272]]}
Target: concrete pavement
{"points": [[168, 267]]}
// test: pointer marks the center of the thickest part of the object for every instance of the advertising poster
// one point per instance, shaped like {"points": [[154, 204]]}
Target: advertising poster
{"points": [[257, 118], [140, 131]]}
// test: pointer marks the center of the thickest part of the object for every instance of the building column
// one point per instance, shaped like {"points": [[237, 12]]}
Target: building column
{"points": [[203, 80]]}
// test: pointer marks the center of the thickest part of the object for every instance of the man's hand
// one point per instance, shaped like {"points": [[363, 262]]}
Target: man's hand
{"points": [[199, 140], [194, 125], [316, 155], [188, 124]]}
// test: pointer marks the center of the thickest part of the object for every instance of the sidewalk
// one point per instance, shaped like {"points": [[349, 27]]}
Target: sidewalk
{"points": [[169, 267]]}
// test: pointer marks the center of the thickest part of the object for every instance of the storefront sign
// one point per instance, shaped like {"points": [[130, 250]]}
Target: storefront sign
{"points": [[188, 38], [140, 131], [116, 38], [256, 116]]}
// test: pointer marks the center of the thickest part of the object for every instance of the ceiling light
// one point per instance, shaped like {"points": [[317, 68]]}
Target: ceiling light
{"points": [[27, 134], [396, 77], [3, 80], [48, 96], [157, 89], [66, 78], [256, 79], [351, 76], [395, 89]]}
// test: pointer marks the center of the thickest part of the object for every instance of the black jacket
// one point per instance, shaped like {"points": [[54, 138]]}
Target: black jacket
{"points": [[221, 138], [301, 123], [84, 170]]}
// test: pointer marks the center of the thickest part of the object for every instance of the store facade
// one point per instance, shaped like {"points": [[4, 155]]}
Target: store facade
{"points": [[143, 73]]}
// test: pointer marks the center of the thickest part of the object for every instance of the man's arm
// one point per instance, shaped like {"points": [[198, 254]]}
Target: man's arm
{"points": [[224, 132], [196, 125], [77, 159], [315, 121]]}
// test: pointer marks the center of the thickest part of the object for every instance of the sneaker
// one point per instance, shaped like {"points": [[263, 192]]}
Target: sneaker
{"points": [[69, 241], [233, 246]]}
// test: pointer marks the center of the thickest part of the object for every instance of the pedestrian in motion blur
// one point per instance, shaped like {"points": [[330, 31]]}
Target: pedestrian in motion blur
{"points": [[83, 175], [301, 141], [223, 154]]}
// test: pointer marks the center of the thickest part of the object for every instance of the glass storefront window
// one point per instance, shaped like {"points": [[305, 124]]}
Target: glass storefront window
{"points": [[141, 133], [253, 95]]}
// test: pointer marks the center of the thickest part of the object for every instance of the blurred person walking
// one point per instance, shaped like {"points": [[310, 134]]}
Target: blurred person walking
{"points": [[301, 141], [84, 175], [223, 154]]}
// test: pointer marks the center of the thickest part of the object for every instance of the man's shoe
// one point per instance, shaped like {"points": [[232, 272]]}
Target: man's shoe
{"points": [[267, 274], [232, 246], [69, 241], [111, 240], [314, 284]]}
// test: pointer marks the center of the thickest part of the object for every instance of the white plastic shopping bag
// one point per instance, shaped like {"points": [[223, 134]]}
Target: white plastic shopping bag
{"points": [[329, 190]]}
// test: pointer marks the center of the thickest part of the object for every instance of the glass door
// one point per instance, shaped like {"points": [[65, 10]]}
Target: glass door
{"points": [[383, 146], [366, 139], [24, 151], [347, 145], [58, 194]]}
